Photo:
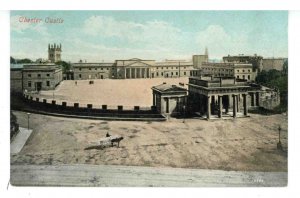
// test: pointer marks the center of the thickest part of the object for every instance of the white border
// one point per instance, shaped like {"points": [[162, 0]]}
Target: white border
{"points": [[294, 70]]}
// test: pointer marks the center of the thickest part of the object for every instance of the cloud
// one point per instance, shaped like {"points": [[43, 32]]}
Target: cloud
{"points": [[221, 42], [150, 34]]}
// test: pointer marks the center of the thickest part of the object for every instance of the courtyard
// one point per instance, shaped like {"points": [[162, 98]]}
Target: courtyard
{"points": [[245, 144], [111, 92]]}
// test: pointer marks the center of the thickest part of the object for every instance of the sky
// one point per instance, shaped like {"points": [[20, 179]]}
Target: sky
{"points": [[104, 36]]}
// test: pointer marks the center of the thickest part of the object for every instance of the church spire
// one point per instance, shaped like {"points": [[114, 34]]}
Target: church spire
{"points": [[206, 51]]}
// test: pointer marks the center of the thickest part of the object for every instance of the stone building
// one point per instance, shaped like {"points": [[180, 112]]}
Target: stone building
{"points": [[83, 71], [224, 96], [37, 77], [169, 99], [255, 60], [54, 53], [273, 63], [237, 70], [16, 78], [172, 69], [199, 59], [133, 69]]}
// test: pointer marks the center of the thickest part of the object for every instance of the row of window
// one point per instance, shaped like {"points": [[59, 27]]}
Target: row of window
{"points": [[90, 68], [214, 69], [30, 84], [244, 77], [38, 75], [168, 67], [172, 73], [243, 70], [95, 68]]}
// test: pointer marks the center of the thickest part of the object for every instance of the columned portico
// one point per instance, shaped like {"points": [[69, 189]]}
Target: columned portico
{"points": [[214, 94]]}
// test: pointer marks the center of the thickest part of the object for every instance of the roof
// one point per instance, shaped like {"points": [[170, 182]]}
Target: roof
{"points": [[92, 64], [168, 88], [16, 66], [39, 67], [173, 63]]}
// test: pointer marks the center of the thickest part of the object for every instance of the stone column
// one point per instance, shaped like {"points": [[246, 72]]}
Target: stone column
{"points": [[140, 72], [125, 73], [234, 105], [208, 107], [245, 104], [213, 104], [252, 99], [167, 105], [129, 72], [237, 103], [257, 98], [148, 73], [220, 106]]}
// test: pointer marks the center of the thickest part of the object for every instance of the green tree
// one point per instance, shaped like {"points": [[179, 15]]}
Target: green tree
{"points": [[12, 60], [14, 126], [64, 65]]}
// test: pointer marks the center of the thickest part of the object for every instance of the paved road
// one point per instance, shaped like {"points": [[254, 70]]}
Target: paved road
{"points": [[20, 140], [117, 176]]}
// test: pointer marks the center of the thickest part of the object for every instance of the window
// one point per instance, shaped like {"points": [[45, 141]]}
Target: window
{"points": [[176, 73], [156, 67], [172, 68], [29, 83], [176, 67], [107, 69], [184, 73], [248, 77], [29, 75], [167, 67], [243, 76], [238, 70], [243, 70], [79, 69], [48, 75], [90, 68], [172, 73], [184, 68], [48, 83], [95, 68], [39, 75], [162, 73], [157, 74], [79, 75], [249, 70], [237, 76]]}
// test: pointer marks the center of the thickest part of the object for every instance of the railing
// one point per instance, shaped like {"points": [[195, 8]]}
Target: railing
{"points": [[63, 107]]}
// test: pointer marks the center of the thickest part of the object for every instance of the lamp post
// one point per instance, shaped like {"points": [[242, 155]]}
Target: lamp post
{"points": [[28, 114], [183, 113], [279, 145]]}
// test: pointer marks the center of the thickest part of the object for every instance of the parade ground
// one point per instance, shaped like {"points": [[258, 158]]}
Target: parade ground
{"points": [[245, 144]]}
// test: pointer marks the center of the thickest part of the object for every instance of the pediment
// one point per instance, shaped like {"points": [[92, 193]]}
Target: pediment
{"points": [[138, 64]]}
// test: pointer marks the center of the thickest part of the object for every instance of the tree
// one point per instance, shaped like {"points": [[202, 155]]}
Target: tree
{"points": [[64, 65], [12, 60], [14, 126]]}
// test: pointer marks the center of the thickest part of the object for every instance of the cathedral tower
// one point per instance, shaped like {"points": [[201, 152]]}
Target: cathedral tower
{"points": [[54, 53]]}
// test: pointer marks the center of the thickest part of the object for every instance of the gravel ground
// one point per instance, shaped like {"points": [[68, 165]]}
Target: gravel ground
{"points": [[245, 144]]}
